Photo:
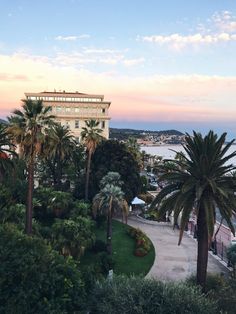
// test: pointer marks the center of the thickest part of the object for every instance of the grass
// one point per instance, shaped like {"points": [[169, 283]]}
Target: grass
{"points": [[122, 250]]}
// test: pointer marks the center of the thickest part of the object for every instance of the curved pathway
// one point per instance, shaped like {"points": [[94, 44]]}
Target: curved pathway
{"points": [[172, 262]]}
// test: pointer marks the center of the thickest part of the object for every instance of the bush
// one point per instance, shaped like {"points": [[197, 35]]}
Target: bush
{"points": [[36, 279], [142, 242], [13, 214], [221, 290], [231, 254], [142, 296], [72, 237], [140, 252]]}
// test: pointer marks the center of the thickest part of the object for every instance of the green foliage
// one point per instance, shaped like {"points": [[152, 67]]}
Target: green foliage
{"points": [[14, 184], [144, 184], [58, 151], [231, 254], [17, 181], [5, 196], [55, 204], [142, 296], [114, 156], [80, 208], [221, 290], [71, 237], [36, 279], [13, 214], [111, 178]]}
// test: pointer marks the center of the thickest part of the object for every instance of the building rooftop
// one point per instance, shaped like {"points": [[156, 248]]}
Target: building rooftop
{"points": [[64, 93]]}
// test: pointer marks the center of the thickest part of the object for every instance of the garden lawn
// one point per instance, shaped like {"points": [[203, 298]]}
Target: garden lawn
{"points": [[122, 250]]}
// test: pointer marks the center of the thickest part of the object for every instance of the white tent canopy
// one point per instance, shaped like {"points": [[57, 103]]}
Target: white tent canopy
{"points": [[137, 201]]}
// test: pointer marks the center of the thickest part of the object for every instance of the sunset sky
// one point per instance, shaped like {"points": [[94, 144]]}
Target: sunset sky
{"points": [[162, 64]]}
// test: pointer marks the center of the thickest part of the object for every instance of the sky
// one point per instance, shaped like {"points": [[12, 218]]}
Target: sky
{"points": [[162, 64]]}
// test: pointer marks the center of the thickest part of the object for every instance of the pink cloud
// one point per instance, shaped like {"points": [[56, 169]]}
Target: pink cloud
{"points": [[151, 98]]}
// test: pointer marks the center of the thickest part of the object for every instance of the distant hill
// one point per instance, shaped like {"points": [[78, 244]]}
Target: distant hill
{"points": [[123, 134]]}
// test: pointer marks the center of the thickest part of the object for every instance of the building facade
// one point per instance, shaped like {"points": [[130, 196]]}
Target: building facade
{"points": [[73, 109]]}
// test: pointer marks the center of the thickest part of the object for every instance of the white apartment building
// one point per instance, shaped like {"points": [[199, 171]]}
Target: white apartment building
{"points": [[73, 109]]}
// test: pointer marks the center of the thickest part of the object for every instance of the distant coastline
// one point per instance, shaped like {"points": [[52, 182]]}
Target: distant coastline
{"points": [[169, 151]]}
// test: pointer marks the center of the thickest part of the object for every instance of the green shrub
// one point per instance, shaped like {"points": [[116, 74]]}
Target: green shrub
{"points": [[71, 237], [36, 279], [13, 214], [142, 296], [231, 254], [221, 290], [214, 282]]}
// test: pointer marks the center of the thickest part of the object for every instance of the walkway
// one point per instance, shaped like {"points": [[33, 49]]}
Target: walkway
{"points": [[172, 262]]}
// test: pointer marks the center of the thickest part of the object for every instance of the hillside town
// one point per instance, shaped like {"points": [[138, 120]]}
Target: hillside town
{"points": [[153, 139]]}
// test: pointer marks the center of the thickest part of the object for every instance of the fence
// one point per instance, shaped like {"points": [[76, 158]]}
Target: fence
{"points": [[218, 247]]}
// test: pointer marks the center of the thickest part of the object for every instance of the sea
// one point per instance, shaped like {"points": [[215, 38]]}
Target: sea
{"points": [[169, 151]]}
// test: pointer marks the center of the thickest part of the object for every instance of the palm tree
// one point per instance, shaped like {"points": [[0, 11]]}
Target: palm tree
{"points": [[111, 178], [201, 181], [109, 200], [6, 151], [28, 127], [91, 136], [58, 150], [134, 148]]}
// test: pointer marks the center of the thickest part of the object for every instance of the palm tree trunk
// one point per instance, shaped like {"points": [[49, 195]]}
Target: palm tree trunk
{"points": [[29, 207], [87, 175], [109, 230], [202, 257]]}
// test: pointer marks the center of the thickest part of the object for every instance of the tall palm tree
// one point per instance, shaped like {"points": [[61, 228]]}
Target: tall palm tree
{"points": [[58, 150], [201, 180], [109, 200], [28, 127], [91, 136]]}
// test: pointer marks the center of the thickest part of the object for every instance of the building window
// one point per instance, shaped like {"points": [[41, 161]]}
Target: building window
{"points": [[103, 110], [67, 109], [58, 109], [76, 109], [76, 124], [103, 124], [67, 123]]}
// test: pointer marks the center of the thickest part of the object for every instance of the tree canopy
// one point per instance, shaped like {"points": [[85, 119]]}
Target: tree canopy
{"points": [[114, 156]]}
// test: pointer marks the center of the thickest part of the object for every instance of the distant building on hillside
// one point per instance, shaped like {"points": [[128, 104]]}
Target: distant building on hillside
{"points": [[73, 109]]}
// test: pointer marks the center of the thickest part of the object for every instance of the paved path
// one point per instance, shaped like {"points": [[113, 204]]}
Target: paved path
{"points": [[173, 262]]}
